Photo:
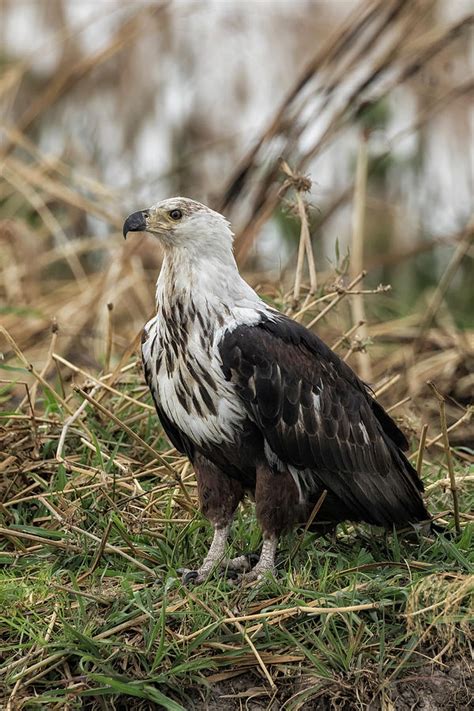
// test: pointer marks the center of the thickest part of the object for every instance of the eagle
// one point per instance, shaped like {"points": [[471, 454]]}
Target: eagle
{"points": [[258, 403]]}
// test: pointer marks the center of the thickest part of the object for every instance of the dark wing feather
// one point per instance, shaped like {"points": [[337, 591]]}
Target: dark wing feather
{"points": [[316, 415]]}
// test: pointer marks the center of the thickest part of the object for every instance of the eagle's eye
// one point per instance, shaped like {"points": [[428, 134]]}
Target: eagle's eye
{"points": [[175, 214]]}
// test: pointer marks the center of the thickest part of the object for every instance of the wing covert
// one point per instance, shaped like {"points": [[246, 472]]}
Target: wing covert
{"points": [[307, 409]]}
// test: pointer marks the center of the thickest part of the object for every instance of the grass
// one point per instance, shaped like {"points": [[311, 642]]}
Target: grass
{"points": [[93, 613]]}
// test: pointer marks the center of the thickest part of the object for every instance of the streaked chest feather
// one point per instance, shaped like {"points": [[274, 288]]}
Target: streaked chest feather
{"points": [[185, 372]]}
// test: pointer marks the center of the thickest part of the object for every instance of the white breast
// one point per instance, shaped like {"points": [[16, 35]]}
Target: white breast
{"points": [[193, 417]]}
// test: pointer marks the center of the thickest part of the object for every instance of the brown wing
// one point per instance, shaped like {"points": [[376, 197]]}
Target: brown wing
{"points": [[317, 416]]}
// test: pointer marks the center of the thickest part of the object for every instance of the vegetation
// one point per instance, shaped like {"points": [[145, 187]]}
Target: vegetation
{"points": [[97, 512]]}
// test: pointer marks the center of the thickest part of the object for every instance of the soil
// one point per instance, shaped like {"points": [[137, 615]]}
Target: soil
{"points": [[449, 689], [446, 690]]}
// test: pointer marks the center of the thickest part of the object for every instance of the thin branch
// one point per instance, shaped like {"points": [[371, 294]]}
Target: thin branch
{"points": [[335, 301], [447, 449], [357, 253], [421, 449]]}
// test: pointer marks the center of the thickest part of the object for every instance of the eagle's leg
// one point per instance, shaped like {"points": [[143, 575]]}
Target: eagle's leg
{"points": [[219, 496], [266, 562], [277, 508], [214, 555]]}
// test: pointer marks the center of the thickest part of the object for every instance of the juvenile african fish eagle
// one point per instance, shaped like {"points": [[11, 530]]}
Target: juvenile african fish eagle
{"points": [[258, 402]]}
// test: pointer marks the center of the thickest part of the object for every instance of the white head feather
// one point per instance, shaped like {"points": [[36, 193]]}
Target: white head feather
{"points": [[199, 255]]}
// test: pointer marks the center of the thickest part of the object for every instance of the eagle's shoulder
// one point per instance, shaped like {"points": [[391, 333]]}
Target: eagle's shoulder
{"points": [[275, 337]]}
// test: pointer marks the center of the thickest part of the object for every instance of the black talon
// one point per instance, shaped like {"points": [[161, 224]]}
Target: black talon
{"points": [[189, 577], [229, 574], [252, 558]]}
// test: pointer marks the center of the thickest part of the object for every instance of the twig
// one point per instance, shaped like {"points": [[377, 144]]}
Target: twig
{"points": [[443, 285], [337, 291], [67, 424], [421, 449], [388, 384], [301, 184], [398, 404], [99, 553], [310, 520], [31, 417], [306, 238], [346, 335], [32, 370], [443, 483], [350, 351], [465, 418], [63, 545], [335, 301], [107, 546], [102, 383], [259, 659], [272, 617], [357, 252], [44, 370], [156, 456], [108, 346], [447, 449]]}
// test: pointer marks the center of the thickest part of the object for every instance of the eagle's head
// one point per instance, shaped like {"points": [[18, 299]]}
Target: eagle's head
{"points": [[184, 224]]}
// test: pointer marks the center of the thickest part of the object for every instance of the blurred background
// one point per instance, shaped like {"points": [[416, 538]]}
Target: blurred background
{"points": [[108, 107]]}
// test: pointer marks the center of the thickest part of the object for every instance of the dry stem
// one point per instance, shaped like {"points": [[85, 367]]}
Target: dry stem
{"points": [[447, 449], [357, 254]]}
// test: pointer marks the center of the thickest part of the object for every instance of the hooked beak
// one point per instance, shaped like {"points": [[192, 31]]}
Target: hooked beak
{"points": [[136, 222]]}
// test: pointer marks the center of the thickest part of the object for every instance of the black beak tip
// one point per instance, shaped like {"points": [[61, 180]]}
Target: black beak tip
{"points": [[134, 223]]}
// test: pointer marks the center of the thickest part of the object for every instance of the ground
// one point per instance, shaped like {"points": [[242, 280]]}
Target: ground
{"points": [[97, 515]]}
